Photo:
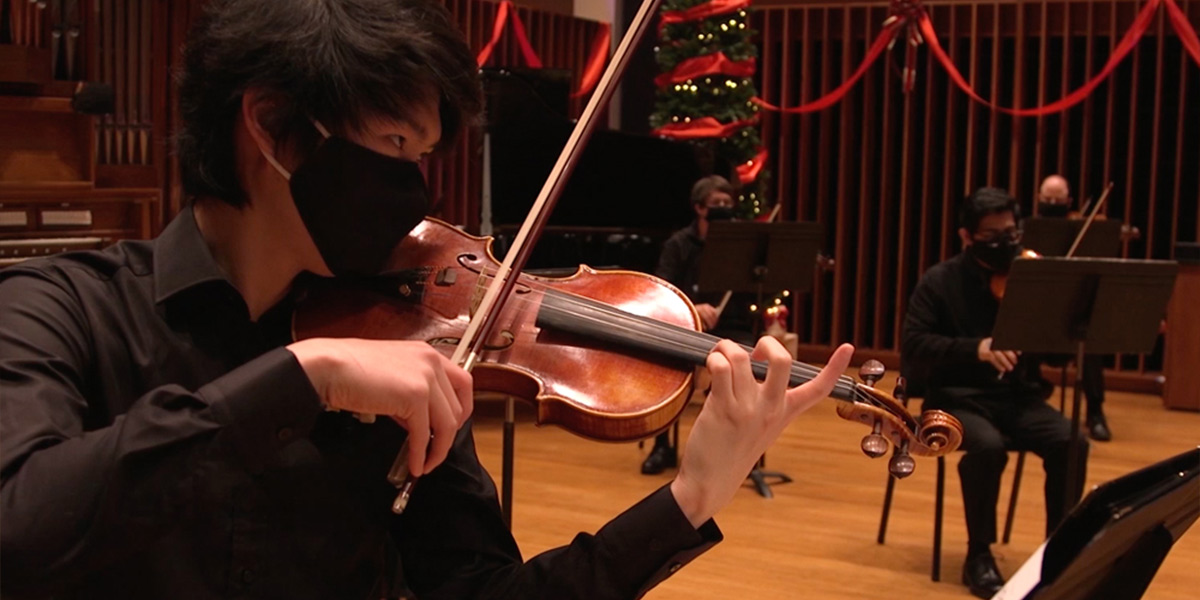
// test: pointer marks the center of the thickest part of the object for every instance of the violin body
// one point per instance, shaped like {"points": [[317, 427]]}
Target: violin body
{"points": [[434, 281], [609, 355]]}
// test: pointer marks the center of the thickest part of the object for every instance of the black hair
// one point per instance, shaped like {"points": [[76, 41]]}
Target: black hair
{"points": [[983, 202], [337, 61]]}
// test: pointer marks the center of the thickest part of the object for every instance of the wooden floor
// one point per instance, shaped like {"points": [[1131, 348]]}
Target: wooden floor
{"points": [[816, 538]]}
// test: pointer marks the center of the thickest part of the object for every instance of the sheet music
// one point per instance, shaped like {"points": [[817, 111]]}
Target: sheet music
{"points": [[1025, 579]]}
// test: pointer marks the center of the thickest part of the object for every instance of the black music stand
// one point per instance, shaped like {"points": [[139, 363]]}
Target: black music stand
{"points": [[748, 256], [1083, 305], [1111, 545], [1053, 237]]}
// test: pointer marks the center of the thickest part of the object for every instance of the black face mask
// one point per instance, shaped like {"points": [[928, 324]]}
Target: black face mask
{"points": [[1053, 209], [357, 204], [719, 213], [997, 256]]}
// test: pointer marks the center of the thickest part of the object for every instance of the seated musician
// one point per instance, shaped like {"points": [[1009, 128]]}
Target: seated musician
{"points": [[947, 346], [1054, 201], [679, 263], [162, 437]]}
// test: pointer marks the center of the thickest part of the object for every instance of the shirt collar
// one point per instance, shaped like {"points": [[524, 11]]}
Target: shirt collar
{"points": [[182, 259]]}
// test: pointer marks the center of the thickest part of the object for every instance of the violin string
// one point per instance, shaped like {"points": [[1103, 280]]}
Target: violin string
{"points": [[697, 341], [681, 338], [676, 337], [659, 329]]}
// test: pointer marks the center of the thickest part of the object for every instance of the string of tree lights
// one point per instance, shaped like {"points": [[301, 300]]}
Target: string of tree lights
{"points": [[705, 93]]}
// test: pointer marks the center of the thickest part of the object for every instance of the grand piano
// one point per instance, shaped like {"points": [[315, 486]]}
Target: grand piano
{"points": [[627, 195]]}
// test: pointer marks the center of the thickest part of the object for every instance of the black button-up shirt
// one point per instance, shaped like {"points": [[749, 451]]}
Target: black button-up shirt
{"points": [[155, 442], [949, 313]]}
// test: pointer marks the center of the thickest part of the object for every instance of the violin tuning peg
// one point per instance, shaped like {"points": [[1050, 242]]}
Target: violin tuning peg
{"points": [[901, 390], [874, 444], [902, 464], [871, 372]]}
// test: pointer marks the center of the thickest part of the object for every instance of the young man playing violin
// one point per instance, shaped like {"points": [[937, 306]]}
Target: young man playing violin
{"points": [[162, 437], [1054, 201], [679, 264], [947, 352]]}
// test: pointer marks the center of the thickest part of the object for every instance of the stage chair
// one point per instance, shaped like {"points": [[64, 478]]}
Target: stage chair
{"points": [[871, 373]]}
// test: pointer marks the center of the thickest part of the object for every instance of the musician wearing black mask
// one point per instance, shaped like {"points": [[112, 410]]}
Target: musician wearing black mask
{"points": [[947, 354], [1054, 197], [1055, 202], [679, 264], [162, 435]]}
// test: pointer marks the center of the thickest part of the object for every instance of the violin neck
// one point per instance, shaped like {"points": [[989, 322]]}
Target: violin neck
{"points": [[595, 320]]}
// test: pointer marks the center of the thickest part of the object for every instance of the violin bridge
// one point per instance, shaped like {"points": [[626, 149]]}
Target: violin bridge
{"points": [[480, 289]]}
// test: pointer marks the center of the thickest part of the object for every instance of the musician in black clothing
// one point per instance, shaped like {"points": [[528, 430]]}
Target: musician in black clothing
{"points": [[162, 435], [1054, 201], [947, 347], [679, 263]]}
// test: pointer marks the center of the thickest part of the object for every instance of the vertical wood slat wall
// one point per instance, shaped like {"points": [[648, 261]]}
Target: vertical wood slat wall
{"points": [[562, 42], [884, 171]]}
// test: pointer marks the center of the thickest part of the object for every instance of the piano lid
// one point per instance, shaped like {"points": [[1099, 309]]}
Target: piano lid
{"points": [[623, 180]]}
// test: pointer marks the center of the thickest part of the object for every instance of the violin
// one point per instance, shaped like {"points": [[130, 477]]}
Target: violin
{"points": [[608, 355], [999, 281], [1128, 232]]}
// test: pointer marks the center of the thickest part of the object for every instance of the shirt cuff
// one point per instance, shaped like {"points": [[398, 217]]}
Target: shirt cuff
{"points": [[657, 532], [264, 404], [966, 348]]}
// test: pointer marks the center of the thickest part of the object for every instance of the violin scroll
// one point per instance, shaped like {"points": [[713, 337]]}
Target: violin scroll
{"points": [[936, 433]]}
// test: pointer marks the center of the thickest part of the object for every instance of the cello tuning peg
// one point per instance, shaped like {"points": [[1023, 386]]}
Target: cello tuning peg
{"points": [[874, 444], [902, 464], [871, 372]]}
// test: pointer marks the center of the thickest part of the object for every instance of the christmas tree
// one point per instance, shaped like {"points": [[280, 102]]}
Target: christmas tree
{"points": [[705, 92]]}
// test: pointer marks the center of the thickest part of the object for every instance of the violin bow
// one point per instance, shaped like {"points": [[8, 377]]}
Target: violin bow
{"points": [[1090, 218], [483, 322]]}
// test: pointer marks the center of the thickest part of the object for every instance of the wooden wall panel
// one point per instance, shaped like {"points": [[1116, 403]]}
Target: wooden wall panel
{"points": [[884, 170]]}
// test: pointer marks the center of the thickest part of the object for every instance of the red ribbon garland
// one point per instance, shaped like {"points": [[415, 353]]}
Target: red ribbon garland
{"points": [[748, 171], [877, 47], [703, 127], [591, 72], [595, 65], [1187, 36], [700, 11], [1140, 24], [531, 57], [709, 64], [1183, 28]]}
